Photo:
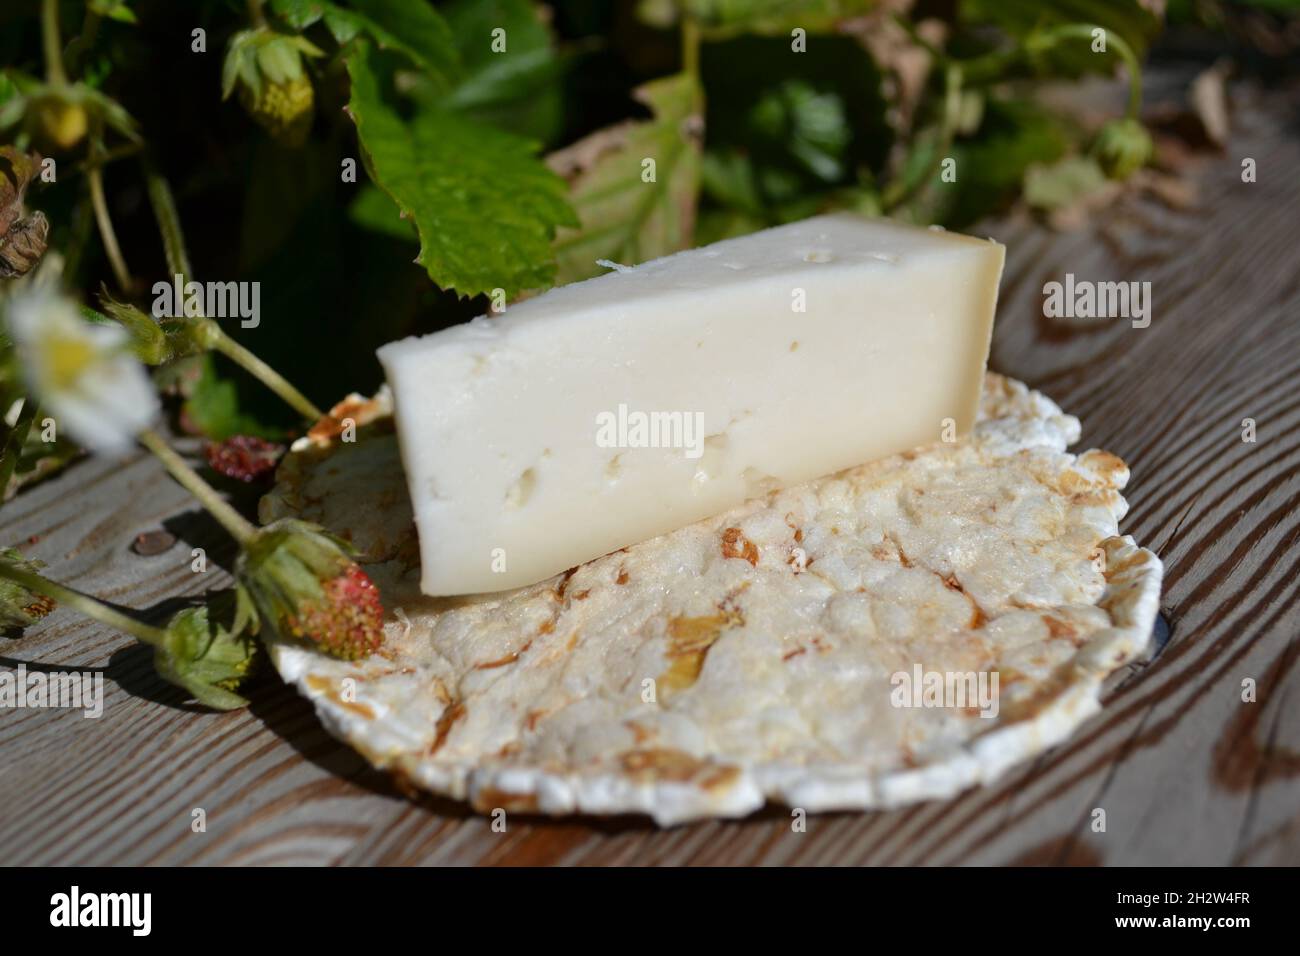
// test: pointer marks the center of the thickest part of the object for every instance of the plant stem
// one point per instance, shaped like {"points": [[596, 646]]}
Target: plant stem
{"points": [[178, 263], [89, 27], [690, 46], [899, 191], [993, 67], [114, 252], [238, 526], [1076, 31], [54, 72], [109, 156], [268, 376], [13, 449], [84, 603], [256, 14], [83, 42], [990, 68], [169, 220]]}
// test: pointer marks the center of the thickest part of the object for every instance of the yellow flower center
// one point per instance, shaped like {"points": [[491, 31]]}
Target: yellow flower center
{"points": [[66, 359]]}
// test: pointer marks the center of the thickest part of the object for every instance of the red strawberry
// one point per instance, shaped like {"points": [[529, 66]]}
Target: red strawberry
{"points": [[307, 587], [244, 457]]}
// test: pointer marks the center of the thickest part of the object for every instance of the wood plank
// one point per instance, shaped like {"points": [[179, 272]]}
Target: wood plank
{"points": [[1186, 771]]}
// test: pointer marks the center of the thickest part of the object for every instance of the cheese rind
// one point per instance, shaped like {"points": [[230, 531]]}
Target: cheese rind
{"points": [[535, 440]]}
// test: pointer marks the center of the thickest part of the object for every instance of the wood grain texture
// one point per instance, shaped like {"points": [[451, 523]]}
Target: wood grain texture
{"points": [[1186, 772]]}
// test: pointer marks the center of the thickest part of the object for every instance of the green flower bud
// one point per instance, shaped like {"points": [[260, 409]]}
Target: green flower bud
{"points": [[1122, 147], [209, 650], [19, 607], [58, 123], [59, 116], [148, 340]]}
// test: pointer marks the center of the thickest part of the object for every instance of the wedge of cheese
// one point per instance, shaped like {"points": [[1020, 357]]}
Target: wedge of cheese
{"points": [[609, 411]]}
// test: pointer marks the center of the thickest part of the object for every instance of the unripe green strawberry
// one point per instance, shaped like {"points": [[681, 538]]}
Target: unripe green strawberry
{"points": [[56, 124], [210, 649], [273, 85], [284, 110], [58, 117], [1122, 147]]}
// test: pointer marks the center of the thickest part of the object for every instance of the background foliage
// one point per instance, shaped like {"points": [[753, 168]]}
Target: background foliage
{"points": [[482, 170]]}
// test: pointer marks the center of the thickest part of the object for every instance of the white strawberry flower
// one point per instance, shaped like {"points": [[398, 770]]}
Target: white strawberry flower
{"points": [[83, 374]]}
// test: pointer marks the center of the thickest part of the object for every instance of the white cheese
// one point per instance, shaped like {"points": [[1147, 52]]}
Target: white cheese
{"points": [[609, 411]]}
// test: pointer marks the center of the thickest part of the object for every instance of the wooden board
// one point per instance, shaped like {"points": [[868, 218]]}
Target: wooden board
{"points": [[1185, 771]]}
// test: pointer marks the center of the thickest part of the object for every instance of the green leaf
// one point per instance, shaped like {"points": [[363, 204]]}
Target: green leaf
{"points": [[214, 409], [990, 165], [717, 224], [416, 30], [812, 123], [802, 123], [113, 9], [373, 211], [1021, 18], [727, 177], [298, 14], [516, 88], [623, 217], [485, 207], [1063, 183], [724, 18], [410, 27]]}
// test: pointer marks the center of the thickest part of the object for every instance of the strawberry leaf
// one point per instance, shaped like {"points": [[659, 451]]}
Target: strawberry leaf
{"points": [[511, 69], [625, 214], [410, 27], [214, 408], [766, 17], [1021, 19], [485, 207]]}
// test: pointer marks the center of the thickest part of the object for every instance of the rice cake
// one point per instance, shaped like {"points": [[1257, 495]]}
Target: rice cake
{"points": [[772, 634]]}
